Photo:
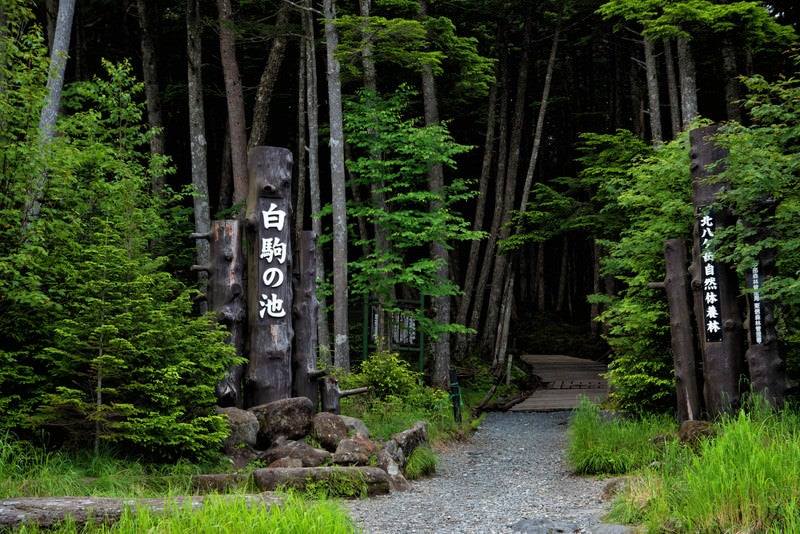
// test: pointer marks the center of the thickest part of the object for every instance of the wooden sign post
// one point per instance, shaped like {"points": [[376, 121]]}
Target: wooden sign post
{"points": [[226, 298], [715, 284], [269, 259]]}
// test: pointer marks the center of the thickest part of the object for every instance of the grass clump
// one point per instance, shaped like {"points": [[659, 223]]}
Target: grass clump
{"points": [[339, 484], [223, 514], [601, 445], [422, 462], [742, 480]]}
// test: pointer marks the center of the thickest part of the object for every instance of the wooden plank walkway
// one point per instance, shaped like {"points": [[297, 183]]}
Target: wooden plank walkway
{"points": [[565, 379]]}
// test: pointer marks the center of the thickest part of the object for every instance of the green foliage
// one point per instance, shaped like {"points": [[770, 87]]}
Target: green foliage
{"points": [[609, 446], [413, 216], [397, 398], [763, 169], [742, 480], [102, 344], [295, 515], [421, 463], [386, 374], [339, 484]]}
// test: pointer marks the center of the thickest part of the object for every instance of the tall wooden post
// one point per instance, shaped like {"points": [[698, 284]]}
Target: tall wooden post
{"points": [[764, 356], [715, 284], [269, 259], [226, 298], [304, 355], [681, 331]]}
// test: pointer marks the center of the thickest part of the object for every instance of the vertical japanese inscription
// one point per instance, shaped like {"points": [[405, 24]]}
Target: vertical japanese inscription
{"points": [[269, 278], [711, 293]]}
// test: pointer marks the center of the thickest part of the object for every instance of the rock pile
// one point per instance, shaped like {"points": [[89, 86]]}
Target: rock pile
{"points": [[299, 446]]}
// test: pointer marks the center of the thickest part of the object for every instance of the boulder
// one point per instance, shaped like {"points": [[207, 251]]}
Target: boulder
{"points": [[286, 462], [328, 429], [356, 450], [242, 426], [692, 431], [410, 439], [284, 418], [396, 479], [355, 426], [393, 452], [266, 479], [219, 482], [307, 455]]}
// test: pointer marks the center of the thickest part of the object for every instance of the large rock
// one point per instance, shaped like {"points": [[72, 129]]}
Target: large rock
{"points": [[284, 449], [356, 450], [392, 451], [242, 426], [376, 479], [284, 418], [410, 439], [328, 429], [355, 426], [386, 462]]}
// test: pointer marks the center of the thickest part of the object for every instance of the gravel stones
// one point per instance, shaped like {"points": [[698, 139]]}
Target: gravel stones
{"points": [[510, 477]]}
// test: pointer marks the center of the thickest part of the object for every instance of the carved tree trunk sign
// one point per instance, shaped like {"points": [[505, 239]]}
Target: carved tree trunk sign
{"points": [[715, 284], [269, 292]]}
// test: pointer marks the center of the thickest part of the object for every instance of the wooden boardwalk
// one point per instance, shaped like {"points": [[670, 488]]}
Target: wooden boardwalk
{"points": [[565, 379]]}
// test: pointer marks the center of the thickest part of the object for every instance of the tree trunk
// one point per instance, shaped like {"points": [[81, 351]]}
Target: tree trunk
{"points": [[304, 355], [260, 124], [197, 138], [235, 100], [440, 349], [225, 271], [502, 231], [681, 332], [732, 93], [672, 90], [313, 170], [460, 350], [715, 286], [537, 141], [269, 272], [152, 92], [594, 310], [688, 83], [653, 91], [481, 288], [338, 194], [47, 119]]}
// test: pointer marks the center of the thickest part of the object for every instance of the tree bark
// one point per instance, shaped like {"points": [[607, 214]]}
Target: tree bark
{"points": [[503, 217], [460, 349], [226, 298], [440, 349], [304, 355], [715, 286], [688, 82], [732, 93], [260, 124], [152, 92], [653, 91], [269, 267], [501, 176], [681, 332], [197, 138], [47, 120], [338, 192], [313, 170], [672, 89], [235, 100]]}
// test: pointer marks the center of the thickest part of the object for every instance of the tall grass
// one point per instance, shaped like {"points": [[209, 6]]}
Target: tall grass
{"points": [[226, 515], [742, 480], [29, 470], [602, 445]]}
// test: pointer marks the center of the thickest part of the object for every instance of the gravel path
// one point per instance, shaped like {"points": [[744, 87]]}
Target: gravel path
{"points": [[510, 477]]}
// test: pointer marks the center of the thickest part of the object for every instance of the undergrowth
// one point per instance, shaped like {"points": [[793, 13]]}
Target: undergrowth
{"points": [[740, 479]]}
